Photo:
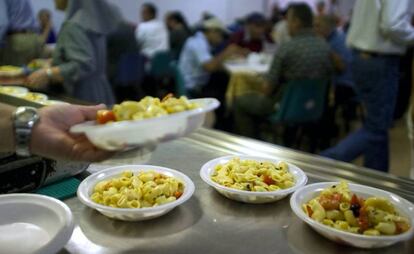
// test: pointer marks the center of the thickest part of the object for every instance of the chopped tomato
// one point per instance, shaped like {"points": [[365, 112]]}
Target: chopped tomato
{"points": [[103, 116], [310, 211], [170, 95], [330, 202], [363, 221], [354, 200], [402, 227], [178, 194], [268, 180]]}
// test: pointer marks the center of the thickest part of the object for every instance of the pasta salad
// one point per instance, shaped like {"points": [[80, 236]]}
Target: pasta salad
{"points": [[143, 189], [337, 207], [251, 175], [148, 107]]}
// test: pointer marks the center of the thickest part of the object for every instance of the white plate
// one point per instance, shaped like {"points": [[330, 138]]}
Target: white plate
{"points": [[141, 133], [31, 223], [12, 73], [14, 90], [306, 193], [85, 190], [253, 197]]}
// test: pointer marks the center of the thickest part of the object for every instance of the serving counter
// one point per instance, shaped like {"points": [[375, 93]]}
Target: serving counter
{"points": [[211, 223]]}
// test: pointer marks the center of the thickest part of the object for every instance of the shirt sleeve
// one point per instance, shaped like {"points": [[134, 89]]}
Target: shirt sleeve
{"points": [[4, 21], [395, 21], [78, 50], [202, 53]]}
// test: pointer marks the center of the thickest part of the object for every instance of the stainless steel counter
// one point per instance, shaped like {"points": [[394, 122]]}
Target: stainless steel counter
{"points": [[211, 223]]}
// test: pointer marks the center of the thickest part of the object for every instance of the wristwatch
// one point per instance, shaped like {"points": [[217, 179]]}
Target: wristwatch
{"points": [[24, 119]]}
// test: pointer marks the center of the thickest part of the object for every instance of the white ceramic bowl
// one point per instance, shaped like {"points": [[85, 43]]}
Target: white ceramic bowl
{"points": [[85, 190], [306, 193], [32, 223], [141, 133], [251, 196]]}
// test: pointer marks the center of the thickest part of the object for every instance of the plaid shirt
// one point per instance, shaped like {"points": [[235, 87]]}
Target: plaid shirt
{"points": [[305, 56]]}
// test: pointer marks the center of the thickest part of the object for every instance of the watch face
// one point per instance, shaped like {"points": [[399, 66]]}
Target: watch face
{"points": [[26, 115]]}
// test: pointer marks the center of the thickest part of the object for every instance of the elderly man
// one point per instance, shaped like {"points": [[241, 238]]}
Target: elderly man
{"points": [[305, 56]]}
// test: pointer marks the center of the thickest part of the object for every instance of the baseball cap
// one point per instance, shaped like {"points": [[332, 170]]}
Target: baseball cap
{"points": [[215, 23]]}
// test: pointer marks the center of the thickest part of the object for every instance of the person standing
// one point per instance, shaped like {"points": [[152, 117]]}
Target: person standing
{"points": [[151, 34], [79, 59], [19, 42], [378, 40]]}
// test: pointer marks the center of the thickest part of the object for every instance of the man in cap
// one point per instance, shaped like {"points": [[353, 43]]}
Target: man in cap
{"points": [[202, 71]]}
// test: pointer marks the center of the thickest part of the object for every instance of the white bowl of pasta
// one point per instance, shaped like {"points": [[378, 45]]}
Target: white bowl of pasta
{"points": [[252, 179], [147, 132], [135, 192], [372, 218]]}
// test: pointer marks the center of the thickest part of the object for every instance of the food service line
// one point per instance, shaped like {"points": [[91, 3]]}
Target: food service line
{"points": [[211, 223]]}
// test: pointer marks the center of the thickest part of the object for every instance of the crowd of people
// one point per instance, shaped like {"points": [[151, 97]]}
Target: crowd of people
{"points": [[357, 60]]}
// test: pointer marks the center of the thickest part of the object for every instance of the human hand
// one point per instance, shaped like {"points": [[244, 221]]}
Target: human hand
{"points": [[51, 137], [235, 50], [38, 79]]}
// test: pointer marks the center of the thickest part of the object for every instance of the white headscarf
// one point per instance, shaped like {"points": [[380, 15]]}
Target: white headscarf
{"points": [[94, 15]]}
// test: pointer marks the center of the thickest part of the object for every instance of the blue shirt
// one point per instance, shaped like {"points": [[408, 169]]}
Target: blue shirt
{"points": [[195, 53], [337, 42], [16, 15]]}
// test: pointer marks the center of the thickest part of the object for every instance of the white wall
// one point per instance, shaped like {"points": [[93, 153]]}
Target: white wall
{"points": [[226, 10]]}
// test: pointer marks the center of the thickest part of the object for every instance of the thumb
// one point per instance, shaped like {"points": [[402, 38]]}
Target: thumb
{"points": [[89, 112]]}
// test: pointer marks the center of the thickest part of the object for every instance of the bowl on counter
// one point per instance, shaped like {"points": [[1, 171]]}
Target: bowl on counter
{"points": [[252, 197], [85, 191], [33, 223], [125, 135], [404, 207]]}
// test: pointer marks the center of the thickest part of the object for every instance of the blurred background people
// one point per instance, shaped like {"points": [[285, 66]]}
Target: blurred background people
{"points": [[378, 41], [79, 60], [304, 57], [47, 31], [151, 34], [178, 30], [280, 33], [19, 41], [253, 37], [202, 71], [343, 84]]}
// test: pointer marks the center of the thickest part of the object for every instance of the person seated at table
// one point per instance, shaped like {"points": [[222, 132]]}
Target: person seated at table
{"points": [[151, 34], [305, 56], [325, 26], [253, 37], [178, 31], [44, 17], [203, 73]]}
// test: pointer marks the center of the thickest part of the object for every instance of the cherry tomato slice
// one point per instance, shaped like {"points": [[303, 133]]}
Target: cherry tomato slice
{"points": [[104, 116], [268, 180], [178, 194]]}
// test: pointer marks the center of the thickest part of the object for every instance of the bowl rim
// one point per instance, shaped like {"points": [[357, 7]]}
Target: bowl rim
{"points": [[214, 162], [297, 209], [189, 189], [64, 233], [210, 104]]}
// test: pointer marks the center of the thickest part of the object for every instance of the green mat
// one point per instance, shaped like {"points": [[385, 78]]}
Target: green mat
{"points": [[61, 190]]}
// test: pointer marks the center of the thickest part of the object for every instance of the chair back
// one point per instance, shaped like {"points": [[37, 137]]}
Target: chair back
{"points": [[303, 101]]}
